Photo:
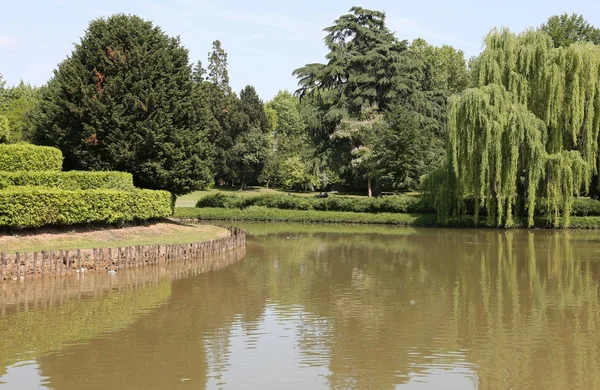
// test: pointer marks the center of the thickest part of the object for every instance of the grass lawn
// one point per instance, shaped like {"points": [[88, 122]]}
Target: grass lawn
{"points": [[190, 200], [87, 238], [255, 213]]}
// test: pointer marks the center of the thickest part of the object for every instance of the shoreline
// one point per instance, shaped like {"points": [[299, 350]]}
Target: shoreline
{"points": [[63, 262], [263, 214]]}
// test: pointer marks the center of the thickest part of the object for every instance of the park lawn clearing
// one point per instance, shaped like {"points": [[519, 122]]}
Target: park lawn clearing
{"points": [[159, 233], [190, 199], [255, 213]]}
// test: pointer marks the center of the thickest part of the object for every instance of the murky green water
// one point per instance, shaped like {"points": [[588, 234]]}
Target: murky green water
{"points": [[313, 307]]}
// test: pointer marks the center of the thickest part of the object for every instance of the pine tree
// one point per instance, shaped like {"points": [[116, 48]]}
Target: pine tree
{"points": [[123, 100], [221, 102], [368, 70], [367, 66]]}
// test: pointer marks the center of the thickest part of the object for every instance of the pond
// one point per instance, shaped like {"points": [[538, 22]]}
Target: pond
{"points": [[330, 307]]}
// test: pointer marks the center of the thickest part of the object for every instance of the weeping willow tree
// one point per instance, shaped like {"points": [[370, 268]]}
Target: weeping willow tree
{"points": [[529, 130]]}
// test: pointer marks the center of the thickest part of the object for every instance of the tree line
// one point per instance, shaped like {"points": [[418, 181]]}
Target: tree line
{"points": [[379, 114]]}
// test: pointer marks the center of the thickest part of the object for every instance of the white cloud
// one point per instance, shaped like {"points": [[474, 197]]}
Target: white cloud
{"points": [[7, 42], [282, 26], [411, 29]]}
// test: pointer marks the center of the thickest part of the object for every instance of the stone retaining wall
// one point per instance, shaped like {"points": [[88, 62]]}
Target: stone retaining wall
{"points": [[61, 263]]}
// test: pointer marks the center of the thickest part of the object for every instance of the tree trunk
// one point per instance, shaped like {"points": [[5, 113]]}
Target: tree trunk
{"points": [[369, 179]]}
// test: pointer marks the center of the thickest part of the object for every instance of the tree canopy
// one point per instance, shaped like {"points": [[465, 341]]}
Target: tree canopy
{"points": [[369, 72], [567, 29], [123, 101], [529, 130]]}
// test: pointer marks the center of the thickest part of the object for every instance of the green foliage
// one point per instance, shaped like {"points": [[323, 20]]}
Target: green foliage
{"points": [[388, 204], [401, 219], [212, 88], [444, 68], [124, 101], [252, 144], [369, 78], [360, 135], [18, 107], [404, 150], [530, 129], [365, 65], [27, 207], [72, 180], [294, 174], [5, 133], [493, 141], [291, 164], [256, 213], [26, 157], [567, 29]]}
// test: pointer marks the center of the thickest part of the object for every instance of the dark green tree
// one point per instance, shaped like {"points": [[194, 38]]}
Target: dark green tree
{"points": [[252, 147], [402, 151], [221, 102], [123, 100], [369, 71], [566, 29], [367, 66]]}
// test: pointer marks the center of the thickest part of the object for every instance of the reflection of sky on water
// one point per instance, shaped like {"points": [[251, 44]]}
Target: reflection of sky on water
{"points": [[23, 375], [268, 354]]}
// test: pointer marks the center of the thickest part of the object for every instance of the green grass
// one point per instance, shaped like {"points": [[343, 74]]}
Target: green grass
{"points": [[266, 214], [190, 200], [417, 220], [87, 238]]}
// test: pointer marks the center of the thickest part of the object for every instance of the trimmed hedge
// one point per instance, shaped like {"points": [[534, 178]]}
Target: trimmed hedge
{"points": [[389, 204], [26, 157], [26, 207], [73, 180]]}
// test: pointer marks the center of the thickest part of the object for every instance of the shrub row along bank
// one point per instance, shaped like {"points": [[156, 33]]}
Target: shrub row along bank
{"points": [[25, 157], [582, 207], [389, 204], [255, 213], [26, 207], [73, 180]]}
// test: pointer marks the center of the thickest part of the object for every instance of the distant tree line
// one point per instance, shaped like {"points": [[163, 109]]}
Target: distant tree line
{"points": [[379, 114]]}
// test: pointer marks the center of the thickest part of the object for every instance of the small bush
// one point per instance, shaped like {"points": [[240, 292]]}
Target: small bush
{"points": [[26, 207], [26, 157], [72, 180]]}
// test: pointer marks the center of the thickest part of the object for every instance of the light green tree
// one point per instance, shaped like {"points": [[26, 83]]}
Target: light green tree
{"points": [[529, 130], [567, 29]]}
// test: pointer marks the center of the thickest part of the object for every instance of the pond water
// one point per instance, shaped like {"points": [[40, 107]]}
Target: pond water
{"points": [[327, 307]]}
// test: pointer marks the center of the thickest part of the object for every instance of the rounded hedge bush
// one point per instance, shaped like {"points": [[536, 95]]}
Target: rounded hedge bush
{"points": [[72, 180], [27, 157], [27, 207]]}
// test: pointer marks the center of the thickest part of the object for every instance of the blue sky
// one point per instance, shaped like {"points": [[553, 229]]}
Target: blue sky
{"points": [[265, 40]]}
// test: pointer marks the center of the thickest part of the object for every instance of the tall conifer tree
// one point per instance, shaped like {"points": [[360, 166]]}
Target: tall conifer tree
{"points": [[123, 100]]}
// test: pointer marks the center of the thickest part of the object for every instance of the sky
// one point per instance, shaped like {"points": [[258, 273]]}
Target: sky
{"points": [[265, 40]]}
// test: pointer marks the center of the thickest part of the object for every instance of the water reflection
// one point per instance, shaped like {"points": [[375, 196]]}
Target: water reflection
{"points": [[335, 310]]}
